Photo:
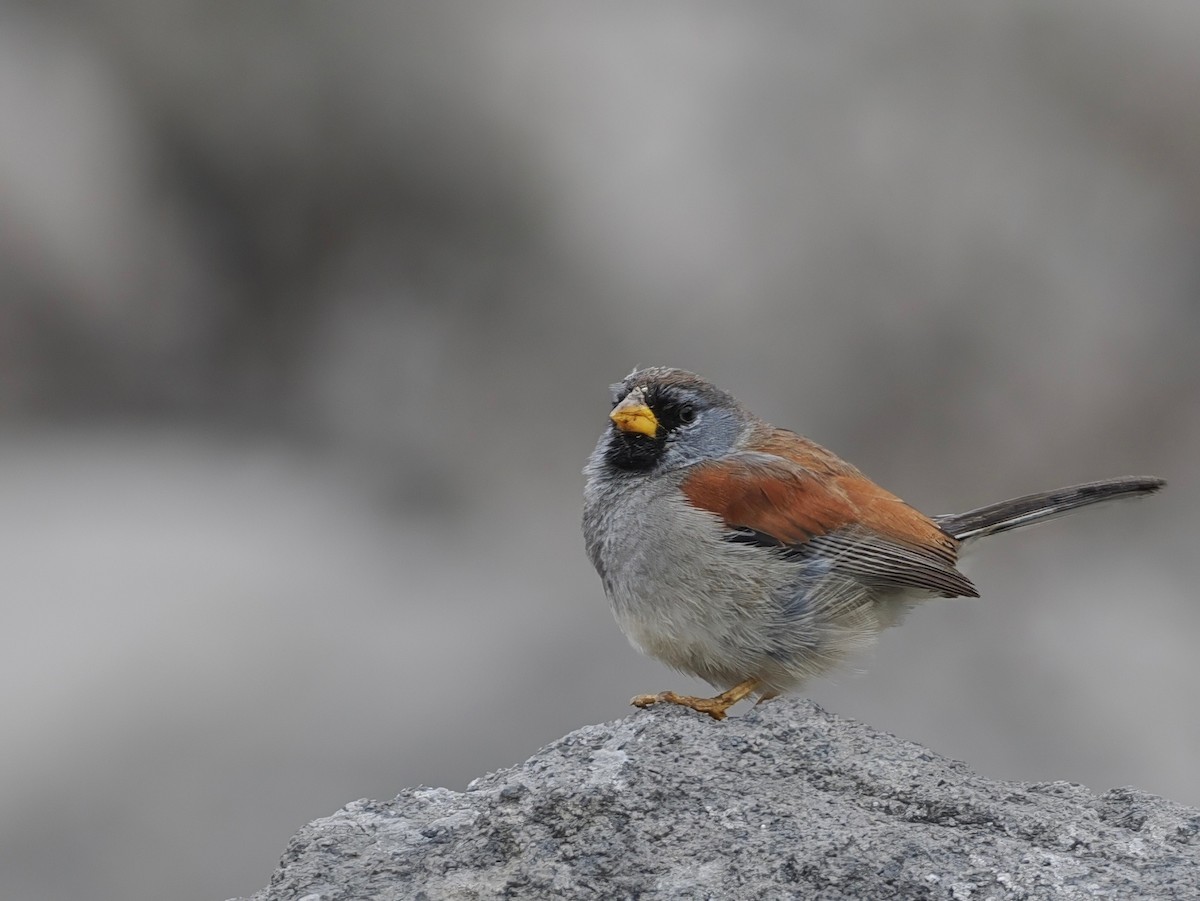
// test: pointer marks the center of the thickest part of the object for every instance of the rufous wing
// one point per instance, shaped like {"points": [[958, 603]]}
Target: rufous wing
{"points": [[797, 495]]}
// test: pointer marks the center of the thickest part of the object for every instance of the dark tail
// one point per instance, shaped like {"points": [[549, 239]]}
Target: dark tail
{"points": [[1047, 505]]}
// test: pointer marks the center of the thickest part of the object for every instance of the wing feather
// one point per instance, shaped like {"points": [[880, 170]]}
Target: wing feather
{"points": [[830, 509]]}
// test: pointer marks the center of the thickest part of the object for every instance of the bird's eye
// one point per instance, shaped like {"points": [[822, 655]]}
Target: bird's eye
{"points": [[687, 413]]}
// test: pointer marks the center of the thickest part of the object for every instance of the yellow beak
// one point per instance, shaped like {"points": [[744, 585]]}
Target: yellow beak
{"points": [[632, 415]]}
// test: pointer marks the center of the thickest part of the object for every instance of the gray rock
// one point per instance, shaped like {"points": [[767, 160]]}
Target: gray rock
{"points": [[786, 801]]}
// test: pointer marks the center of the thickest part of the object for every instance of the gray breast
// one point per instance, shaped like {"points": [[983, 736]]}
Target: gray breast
{"points": [[721, 610], [678, 590]]}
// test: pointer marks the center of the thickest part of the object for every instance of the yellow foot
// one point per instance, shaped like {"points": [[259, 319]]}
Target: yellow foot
{"points": [[714, 707]]}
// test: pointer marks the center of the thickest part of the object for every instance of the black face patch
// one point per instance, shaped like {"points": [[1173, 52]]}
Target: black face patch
{"points": [[634, 451], [670, 408]]}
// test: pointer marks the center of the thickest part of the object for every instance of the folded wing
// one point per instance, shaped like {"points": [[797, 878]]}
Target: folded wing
{"points": [[805, 501]]}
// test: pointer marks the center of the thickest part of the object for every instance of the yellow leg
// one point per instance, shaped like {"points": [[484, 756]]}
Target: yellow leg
{"points": [[714, 707]]}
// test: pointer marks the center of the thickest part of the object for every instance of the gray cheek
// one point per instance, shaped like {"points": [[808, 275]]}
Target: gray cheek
{"points": [[713, 434]]}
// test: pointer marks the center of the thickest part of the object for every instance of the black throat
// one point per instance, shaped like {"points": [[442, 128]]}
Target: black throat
{"points": [[633, 452]]}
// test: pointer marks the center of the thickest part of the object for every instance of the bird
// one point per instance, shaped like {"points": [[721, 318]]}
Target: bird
{"points": [[754, 558]]}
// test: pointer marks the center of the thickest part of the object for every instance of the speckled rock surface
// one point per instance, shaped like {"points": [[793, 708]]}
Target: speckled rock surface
{"points": [[786, 801]]}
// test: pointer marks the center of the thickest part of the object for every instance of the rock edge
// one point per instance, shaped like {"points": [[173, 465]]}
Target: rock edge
{"points": [[786, 801]]}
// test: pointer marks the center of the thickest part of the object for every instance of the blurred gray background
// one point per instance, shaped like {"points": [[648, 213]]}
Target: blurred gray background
{"points": [[309, 313]]}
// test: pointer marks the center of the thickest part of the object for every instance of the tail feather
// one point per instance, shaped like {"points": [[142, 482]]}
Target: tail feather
{"points": [[1046, 505]]}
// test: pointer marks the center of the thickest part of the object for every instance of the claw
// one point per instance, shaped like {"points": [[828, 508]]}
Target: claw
{"points": [[714, 707]]}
